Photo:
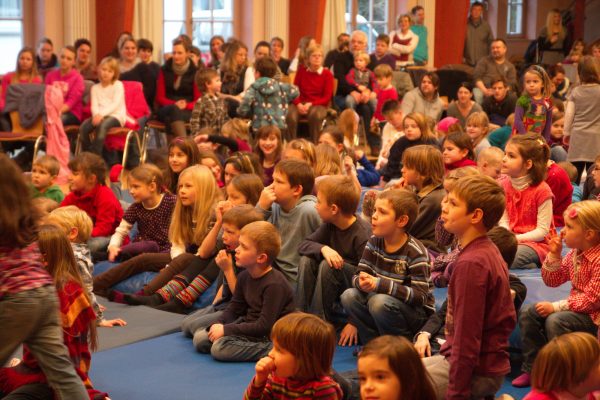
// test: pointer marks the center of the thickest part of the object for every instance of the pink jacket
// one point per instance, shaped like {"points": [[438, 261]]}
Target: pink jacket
{"points": [[75, 89], [57, 141]]}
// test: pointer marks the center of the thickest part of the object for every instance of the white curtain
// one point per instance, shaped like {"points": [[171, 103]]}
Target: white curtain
{"points": [[334, 23], [77, 20], [148, 24]]}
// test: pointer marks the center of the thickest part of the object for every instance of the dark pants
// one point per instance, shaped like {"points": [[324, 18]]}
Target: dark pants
{"points": [[581, 166], [315, 117], [172, 114], [85, 132], [365, 112], [69, 118]]}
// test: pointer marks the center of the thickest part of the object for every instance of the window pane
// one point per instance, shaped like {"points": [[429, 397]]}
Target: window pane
{"points": [[10, 43], [202, 32], [223, 9], [174, 10], [224, 29], [363, 11], [202, 9], [11, 8], [171, 31], [372, 30], [380, 10]]}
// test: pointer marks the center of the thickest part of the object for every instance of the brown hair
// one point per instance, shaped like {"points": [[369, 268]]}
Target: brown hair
{"points": [[242, 215], [569, 169], [541, 73], [245, 163], [310, 340], [204, 76], [348, 124], [382, 37], [479, 118], [484, 193], [266, 67], [421, 121], [190, 149], [506, 242], [147, 174], [72, 217], [462, 141], [49, 163], [328, 161], [237, 128], [265, 238], [427, 161], [341, 191], [405, 363], [298, 173], [533, 147], [383, 71], [564, 362], [588, 70], [34, 69], [306, 148], [89, 164], [404, 202], [250, 185], [457, 173], [263, 133]]}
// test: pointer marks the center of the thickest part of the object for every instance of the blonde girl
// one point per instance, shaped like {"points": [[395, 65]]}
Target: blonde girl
{"points": [[567, 367], [108, 107], [389, 367], [528, 198], [300, 361], [423, 169], [234, 137], [238, 130], [348, 124], [151, 210], [301, 149], [269, 148], [328, 161], [416, 132], [209, 159], [478, 127], [533, 112], [545, 320]]}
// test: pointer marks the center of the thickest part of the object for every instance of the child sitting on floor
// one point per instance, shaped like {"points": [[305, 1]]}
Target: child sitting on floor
{"points": [[299, 365], [262, 296], [43, 175], [458, 151], [489, 162]]}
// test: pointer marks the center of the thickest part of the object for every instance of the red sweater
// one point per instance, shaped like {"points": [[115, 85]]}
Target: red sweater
{"points": [[315, 88], [561, 187], [480, 318], [101, 205], [384, 95]]}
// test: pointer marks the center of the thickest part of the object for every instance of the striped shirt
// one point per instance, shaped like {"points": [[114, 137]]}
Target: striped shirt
{"points": [[583, 272], [287, 388], [22, 270], [404, 274]]}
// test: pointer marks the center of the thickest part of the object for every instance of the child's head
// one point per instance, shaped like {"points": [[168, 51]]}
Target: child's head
{"points": [[537, 82], [389, 367], [392, 112], [259, 244], [447, 125], [87, 171], [506, 242], [395, 209], [348, 123], [74, 222], [328, 161], [58, 256], [457, 146], [309, 340], [292, 179], [66, 59], [244, 189], [145, 181], [183, 153], [268, 144], [568, 363], [301, 149], [415, 127], [569, 169], [334, 137], [596, 171], [26, 63], [336, 195], [382, 45], [208, 80], [588, 69], [45, 47], [145, 49], [423, 166], [44, 206], [209, 159], [265, 67], [234, 220], [500, 88], [383, 74], [489, 161], [475, 200], [236, 128], [478, 125], [454, 175], [44, 171], [241, 163], [582, 225], [558, 126], [361, 60], [526, 155], [108, 70]]}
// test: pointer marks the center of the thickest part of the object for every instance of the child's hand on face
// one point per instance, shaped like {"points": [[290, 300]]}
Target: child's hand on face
{"points": [[332, 257], [224, 260], [113, 252], [216, 332], [267, 198], [263, 368], [544, 308], [366, 282], [349, 166], [222, 207]]}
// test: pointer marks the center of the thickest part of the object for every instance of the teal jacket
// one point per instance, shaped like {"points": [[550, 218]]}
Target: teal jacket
{"points": [[421, 52]]}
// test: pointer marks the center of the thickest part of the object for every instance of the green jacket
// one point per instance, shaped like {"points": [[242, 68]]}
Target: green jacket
{"points": [[53, 193]]}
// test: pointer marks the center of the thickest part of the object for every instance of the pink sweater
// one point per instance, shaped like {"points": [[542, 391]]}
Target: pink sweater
{"points": [[75, 88]]}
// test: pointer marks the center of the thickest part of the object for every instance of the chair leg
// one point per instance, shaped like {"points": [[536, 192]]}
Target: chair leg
{"points": [[36, 146], [128, 139]]}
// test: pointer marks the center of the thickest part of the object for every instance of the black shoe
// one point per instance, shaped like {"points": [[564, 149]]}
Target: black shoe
{"points": [[174, 306], [137, 300]]}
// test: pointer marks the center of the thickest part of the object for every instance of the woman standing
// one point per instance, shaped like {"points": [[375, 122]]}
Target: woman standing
{"points": [[552, 39], [403, 42]]}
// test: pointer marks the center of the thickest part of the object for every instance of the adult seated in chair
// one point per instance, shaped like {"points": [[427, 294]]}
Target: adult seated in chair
{"points": [[425, 99], [488, 68], [132, 68]]}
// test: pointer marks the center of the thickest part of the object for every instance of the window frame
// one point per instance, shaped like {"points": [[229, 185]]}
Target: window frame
{"points": [[523, 5], [25, 34], [388, 21]]}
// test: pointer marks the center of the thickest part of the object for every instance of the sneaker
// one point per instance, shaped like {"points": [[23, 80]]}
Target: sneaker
{"points": [[523, 380]]}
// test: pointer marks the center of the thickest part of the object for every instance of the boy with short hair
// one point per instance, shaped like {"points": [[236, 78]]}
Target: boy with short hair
{"points": [[330, 255], [392, 130], [267, 100], [262, 296], [393, 291], [474, 359], [288, 204], [145, 49], [210, 109], [384, 90], [44, 172], [382, 56], [489, 162], [501, 104]]}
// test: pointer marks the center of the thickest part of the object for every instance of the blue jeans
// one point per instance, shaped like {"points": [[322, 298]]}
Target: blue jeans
{"points": [[378, 314], [201, 319], [233, 348], [31, 317], [536, 330], [558, 154], [526, 258], [86, 129]]}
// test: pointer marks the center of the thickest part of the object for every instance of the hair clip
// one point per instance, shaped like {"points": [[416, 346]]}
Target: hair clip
{"points": [[572, 213], [541, 142]]}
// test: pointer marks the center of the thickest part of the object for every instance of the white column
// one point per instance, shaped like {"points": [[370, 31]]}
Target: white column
{"points": [[277, 20], [76, 20]]}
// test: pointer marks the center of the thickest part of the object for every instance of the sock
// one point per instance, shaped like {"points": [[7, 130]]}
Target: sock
{"points": [[189, 295], [116, 296], [170, 290]]}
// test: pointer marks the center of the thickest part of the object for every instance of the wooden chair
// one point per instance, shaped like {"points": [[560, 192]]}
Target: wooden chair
{"points": [[33, 134]]}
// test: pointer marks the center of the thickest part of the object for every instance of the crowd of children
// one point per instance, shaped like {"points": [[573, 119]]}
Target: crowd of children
{"points": [[307, 242]]}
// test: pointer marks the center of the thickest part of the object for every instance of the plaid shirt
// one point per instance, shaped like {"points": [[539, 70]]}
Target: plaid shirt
{"points": [[209, 111], [583, 272], [22, 270]]}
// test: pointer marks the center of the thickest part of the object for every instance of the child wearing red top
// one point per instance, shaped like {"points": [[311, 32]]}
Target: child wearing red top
{"points": [[385, 90]]}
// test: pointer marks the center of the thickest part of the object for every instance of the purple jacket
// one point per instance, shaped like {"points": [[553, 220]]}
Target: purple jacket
{"points": [[74, 95]]}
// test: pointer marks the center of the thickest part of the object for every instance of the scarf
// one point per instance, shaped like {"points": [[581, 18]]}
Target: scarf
{"points": [[123, 68], [179, 72]]}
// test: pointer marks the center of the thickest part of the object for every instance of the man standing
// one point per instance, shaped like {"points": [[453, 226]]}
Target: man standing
{"points": [[420, 55], [491, 67], [479, 36]]}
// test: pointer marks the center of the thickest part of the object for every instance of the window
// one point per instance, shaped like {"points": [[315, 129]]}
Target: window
{"points": [[200, 19], [514, 20], [11, 33], [369, 16]]}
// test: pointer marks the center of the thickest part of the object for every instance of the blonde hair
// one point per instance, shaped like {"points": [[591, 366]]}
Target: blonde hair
{"points": [[265, 238], [483, 192], [587, 214], [383, 71], [564, 362], [361, 55], [306, 148], [181, 229], [493, 155], [541, 73], [328, 161], [113, 64], [236, 128], [310, 340], [348, 124], [70, 217], [479, 119], [148, 174], [313, 49], [49, 163], [454, 175], [550, 24]]}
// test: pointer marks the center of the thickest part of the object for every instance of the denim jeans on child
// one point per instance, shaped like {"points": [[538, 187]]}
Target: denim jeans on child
{"points": [[232, 348], [101, 131]]}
